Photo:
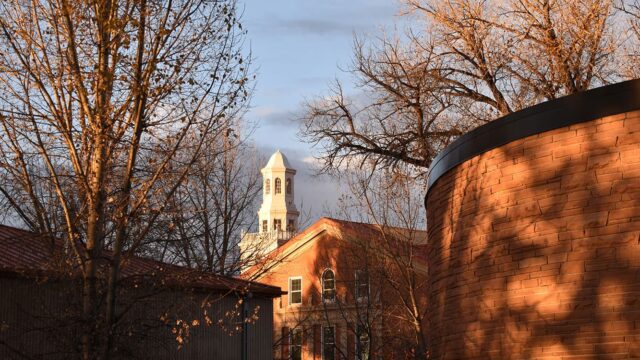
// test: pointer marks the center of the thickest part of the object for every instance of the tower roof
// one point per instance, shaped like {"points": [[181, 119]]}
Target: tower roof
{"points": [[278, 161]]}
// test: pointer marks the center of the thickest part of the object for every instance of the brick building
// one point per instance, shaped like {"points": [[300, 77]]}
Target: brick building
{"points": [[534, 233], [338, 304]]}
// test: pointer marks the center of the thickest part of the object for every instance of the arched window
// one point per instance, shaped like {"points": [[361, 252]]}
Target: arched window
{"points": [[328, 285], [278, 186], [288, 186], [267, 186]]}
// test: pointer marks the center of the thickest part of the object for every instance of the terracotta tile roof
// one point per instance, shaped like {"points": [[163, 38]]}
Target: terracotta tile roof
{"points": [[347, 229], [24, 252]]}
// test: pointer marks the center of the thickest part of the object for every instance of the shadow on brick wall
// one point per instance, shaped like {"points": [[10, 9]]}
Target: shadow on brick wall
{"points": [[534, 248]]}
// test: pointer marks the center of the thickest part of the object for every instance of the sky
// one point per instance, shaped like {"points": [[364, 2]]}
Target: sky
{"points": [[299, 47]]}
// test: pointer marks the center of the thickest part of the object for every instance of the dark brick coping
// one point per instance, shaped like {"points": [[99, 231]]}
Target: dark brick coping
{"points": [[573, 109]]}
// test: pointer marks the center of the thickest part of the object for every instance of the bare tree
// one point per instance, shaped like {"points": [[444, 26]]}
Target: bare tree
{"points": [[402, 120], [104, 108], [384, 305], [631, 11], [213, 207], [470, 62]]}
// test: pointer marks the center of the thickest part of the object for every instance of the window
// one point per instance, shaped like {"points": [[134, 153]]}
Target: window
{"points": [[267, 186], [277, 224], [278, 186], [265, 225], [288, 186], [328, 286], [295, 344], [362, 285], [291, 226], [328, 343], [295, 290], [362, 343]]}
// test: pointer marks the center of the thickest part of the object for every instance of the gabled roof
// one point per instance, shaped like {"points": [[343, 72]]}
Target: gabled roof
{"points": [[342, 229], [24, 253]]}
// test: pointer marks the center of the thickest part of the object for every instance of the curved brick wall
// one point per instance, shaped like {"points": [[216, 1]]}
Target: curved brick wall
{"points": [[534, 247]]}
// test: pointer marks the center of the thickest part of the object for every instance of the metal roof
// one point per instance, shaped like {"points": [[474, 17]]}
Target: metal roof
{"points": [[24, 253]]}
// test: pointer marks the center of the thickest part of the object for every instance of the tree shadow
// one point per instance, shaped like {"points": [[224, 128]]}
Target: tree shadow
{"points": [[536, 251]]}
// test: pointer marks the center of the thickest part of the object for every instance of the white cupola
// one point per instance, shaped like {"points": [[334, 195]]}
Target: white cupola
{"points": [[277, 217], [278, 211]]}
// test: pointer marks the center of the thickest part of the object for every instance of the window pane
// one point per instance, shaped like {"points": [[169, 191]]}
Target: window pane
{"points": [[296, 297], [296, 284], [328, 275], [296, 353], [296, 338], [295, 291], [329, 295]]}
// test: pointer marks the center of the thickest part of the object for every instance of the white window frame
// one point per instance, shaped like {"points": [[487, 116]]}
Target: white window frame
{"points": [[322, 341], [360, 297], [295, 330], [290, 291], [322, 286]]}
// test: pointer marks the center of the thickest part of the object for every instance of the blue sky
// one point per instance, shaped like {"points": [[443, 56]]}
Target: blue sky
{"points": [[299, 47]]}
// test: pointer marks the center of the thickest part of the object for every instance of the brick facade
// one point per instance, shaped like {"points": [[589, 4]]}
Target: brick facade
{"points": [[326, 251], [346, 248], [534, 247]]}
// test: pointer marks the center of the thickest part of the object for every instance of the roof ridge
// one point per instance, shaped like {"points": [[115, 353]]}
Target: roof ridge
{"points": [[18, 229], [370, 224]]}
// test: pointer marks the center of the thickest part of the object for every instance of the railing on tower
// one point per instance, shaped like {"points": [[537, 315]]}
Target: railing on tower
{"points": [[271, 235], [268, 240]]}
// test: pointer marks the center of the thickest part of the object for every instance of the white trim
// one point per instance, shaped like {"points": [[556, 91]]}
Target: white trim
{"points": [[289, 292]]}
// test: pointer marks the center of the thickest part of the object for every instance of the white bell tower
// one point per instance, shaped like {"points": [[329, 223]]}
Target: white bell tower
{"points": [[278, 211], [278, 216]]}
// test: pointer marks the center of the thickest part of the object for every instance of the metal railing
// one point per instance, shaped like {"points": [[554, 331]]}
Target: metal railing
{"points": [[268, 236]]}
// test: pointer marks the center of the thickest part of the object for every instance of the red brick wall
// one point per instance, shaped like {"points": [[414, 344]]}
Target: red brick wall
{"points": [[336, 249], [534, 247], [325, 252]]}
